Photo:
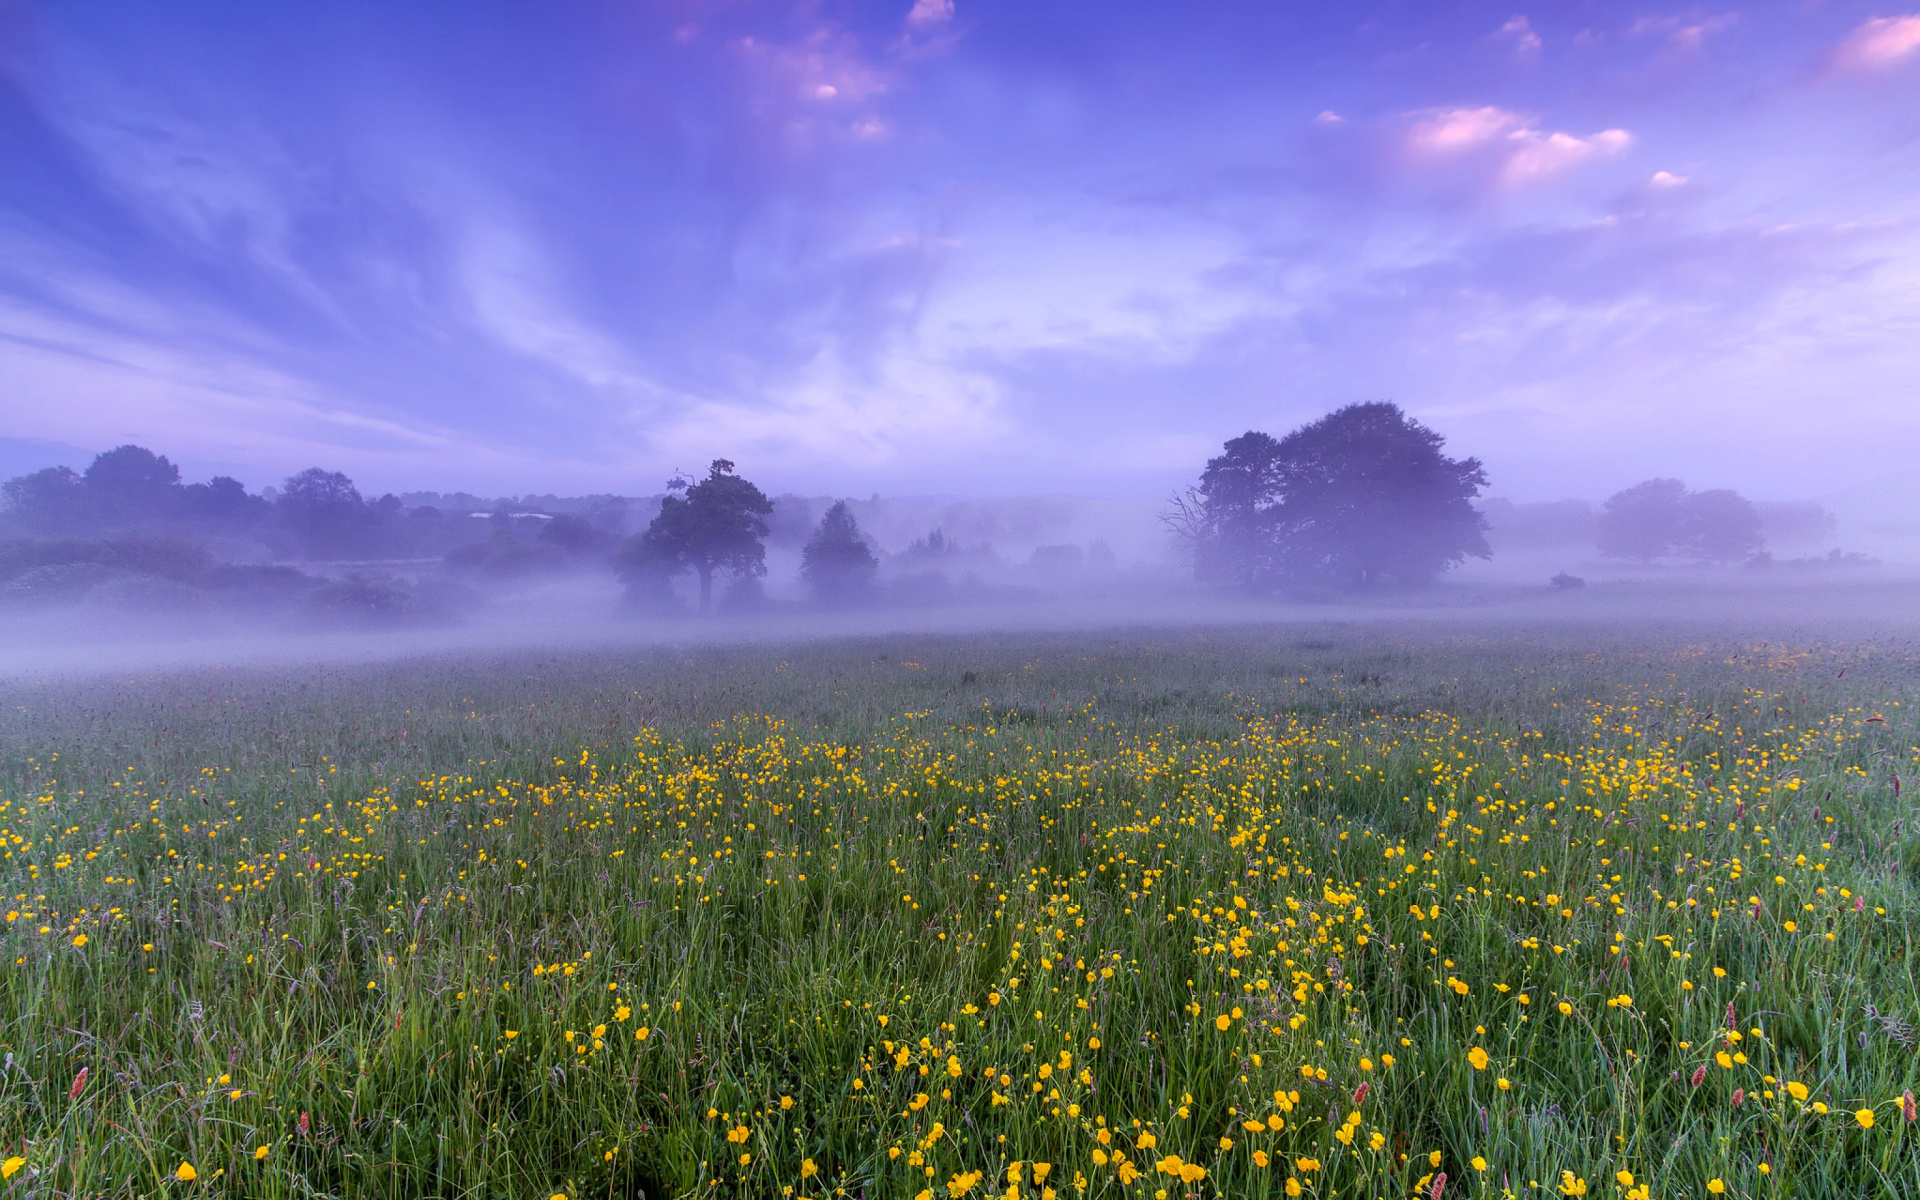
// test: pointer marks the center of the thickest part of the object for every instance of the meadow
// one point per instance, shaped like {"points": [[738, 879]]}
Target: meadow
{"points": [[1584, 910]]}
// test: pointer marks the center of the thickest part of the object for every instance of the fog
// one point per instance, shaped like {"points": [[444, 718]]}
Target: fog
{"points": [[770, 322], [584, 614]]}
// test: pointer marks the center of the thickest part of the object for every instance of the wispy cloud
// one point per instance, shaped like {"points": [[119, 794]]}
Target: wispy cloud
{"points": [[928, 246], [1684, 33], [1520, 34], [1880, 44], [1514, 148]]}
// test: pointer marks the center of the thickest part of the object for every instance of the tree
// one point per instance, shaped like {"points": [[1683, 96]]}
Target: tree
{"points": [[836, 563], [324, 510], [1660, 517], [1359, 498], [1644, 521], [717, 526], [222, 500], [1240, 493], [50, 500], [1719, 526], [131, 483]]}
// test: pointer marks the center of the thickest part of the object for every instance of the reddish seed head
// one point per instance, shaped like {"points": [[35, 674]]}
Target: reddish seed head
{"points": [[1906, 1105], [1739, 1096], [80, 1081], [1439, 1186], [1360, 1093], [1699, 1074], [1733, 1020], [301, 1128]]}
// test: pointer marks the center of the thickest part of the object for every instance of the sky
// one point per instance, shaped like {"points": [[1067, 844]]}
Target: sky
{"points": [[953, 247]]}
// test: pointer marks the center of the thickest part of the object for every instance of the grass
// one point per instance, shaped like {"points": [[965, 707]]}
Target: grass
{"points": [[1244, 913]]}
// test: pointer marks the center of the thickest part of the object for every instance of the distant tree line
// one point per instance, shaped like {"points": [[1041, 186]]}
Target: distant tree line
{"points": [[1363, 498]]}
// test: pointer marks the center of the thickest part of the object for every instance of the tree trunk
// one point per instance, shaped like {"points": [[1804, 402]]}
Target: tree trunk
{"points": [[706, 588]]}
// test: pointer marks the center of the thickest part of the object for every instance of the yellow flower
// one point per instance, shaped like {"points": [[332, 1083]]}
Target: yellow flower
{"points": [[1798, 1091], [1716, 1186], [1041, 1171], [807, 1169], [1222, 1022], [1293, 1186], [79, 939], [1865, 1118], [1566, 1009], [1724, 1059], [1146, 1141], [1479, 1163], [1625, 1178], [1260, 1158], [262, 1152], [640, 1034], [1478, 1058], [12, 1165], [185, 1173], [786, 1102]]}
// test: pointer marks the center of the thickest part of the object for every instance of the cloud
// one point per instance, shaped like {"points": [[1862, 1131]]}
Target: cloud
{"points": [[1514, 147], [1666, 179], [1879, 45], [930, 12], [1521, 35], [1684, 33]]}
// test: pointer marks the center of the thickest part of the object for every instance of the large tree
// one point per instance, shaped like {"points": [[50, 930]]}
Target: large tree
{"points": [[51, 500], [325, 512], [716, 526], [1720, 526], [837, 564], [130, 484], [1360, 498], [1660, 517], [1643, 522]]}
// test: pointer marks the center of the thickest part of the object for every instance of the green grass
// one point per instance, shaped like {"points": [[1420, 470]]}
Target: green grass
{"points": [[374, 919]]}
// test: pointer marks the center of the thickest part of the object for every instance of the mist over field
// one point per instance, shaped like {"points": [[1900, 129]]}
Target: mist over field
{"points": [[959, 600]]}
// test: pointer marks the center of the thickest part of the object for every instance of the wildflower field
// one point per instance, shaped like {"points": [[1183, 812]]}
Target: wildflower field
{"points": [[1257, 912]]}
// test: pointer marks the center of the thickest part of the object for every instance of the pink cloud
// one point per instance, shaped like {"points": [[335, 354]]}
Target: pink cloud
{"points": [[1517, 151], [1458, 129], [930, 12], [1878, 45], [1683, 34], [1520, 32], [1536, 154]]}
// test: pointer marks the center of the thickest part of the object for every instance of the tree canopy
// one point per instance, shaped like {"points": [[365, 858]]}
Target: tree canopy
{"points": [[718, 525], [1359, 498], [324, 510], [836, 563], [1657, 518]]}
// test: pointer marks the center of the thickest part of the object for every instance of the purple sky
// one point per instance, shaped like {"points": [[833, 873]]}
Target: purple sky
{"points": [[958, 247]]}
